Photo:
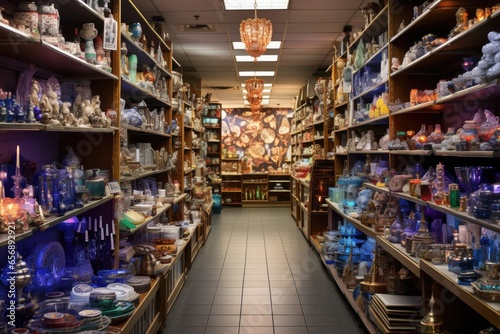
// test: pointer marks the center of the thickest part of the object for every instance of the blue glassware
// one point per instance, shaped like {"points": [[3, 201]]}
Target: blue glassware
{"points": [[135, 31]]}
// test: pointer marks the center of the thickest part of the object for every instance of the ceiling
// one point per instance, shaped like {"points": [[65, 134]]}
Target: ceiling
{"points": [[307, 30]]}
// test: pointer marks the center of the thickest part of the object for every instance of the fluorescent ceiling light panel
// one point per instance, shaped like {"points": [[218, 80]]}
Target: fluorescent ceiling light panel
{"points": [[256, 73], [261, 58], [261, 4], [272, 45], [268, 85]]}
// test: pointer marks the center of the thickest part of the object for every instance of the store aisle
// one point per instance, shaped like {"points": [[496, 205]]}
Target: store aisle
{"points": [[256, 274]]}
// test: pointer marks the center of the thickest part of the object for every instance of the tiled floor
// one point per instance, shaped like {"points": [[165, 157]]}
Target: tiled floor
{"points": [[256, 274]]}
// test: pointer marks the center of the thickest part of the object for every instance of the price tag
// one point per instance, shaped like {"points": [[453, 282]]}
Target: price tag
{"points": [[114, 187]]}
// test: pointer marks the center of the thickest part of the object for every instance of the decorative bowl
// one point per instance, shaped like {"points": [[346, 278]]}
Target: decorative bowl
{"points": [[470, 177], [487, 289]]}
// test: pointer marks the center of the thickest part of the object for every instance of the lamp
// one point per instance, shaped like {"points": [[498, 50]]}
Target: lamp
{"points": [[256, 34], [254, 98], [254, 86]]}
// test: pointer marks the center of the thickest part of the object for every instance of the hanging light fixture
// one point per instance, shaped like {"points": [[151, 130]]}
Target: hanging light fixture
{"points": [[254, 86], [254, 98], [256, 34]]}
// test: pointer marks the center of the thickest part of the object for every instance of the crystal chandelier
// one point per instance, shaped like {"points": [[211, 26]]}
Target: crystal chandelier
{"points": [[256, 34], [254, 98], [254, 85]]}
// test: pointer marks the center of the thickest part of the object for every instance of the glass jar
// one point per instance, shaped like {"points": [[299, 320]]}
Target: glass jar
{"points": [[96, 185]]}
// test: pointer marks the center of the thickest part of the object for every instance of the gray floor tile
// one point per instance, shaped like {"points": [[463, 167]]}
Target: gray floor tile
{"points": [[256, 284], [191, 320], [256, 300], [231, 277], [329, 330], [225, 291], [288, 320], [185, 330], [256, 320], [256, 330], [222, 330], [284, 309], [285, 299], [321, 320], [225, 309], [256, 274], [290, 330], [317, 309], [250, 309], [194, 309], [256, 291], [227, 300], [230, 284], [223, 320]]}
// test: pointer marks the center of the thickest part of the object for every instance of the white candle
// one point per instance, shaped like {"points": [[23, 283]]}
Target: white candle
{"points": [[137, 155], [112, 242], [17, 157]]}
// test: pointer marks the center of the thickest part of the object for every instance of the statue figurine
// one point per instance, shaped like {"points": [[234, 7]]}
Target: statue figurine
{"points": [[462, 22], [124, 59]]}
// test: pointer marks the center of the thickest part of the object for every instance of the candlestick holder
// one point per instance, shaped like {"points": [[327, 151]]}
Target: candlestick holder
{"points": [[16, 189]]}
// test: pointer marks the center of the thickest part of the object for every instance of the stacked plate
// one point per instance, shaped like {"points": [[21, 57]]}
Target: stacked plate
{"points": [[395, 313], [124, 292], [80, 293], [119, 312]]}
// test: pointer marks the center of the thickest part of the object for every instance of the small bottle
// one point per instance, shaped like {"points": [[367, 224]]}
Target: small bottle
{"points": [[454, 195], [484, 243], [257, 193]]}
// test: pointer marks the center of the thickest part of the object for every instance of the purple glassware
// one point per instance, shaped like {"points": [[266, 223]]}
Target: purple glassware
{"points": [[470, 177]]}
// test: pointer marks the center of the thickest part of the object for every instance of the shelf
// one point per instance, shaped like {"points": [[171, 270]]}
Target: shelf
{"points": [[133, 90], [399, 253], [379, 120], [363, 228], [370, 326], [441, 208], [142, 56], [278, 191], [468, 154], [145, 300], [430, 17], [376, 26], [255, 183], [374, 60], [213, 153], [50, 128], [230, 191], [53, 221], [376, 89], [255, 201], [230, 159], [23, 48], [447, 55], [369, 152], [145, 131], [149, 219], [155, 172], [441, 274], [411, 152]]}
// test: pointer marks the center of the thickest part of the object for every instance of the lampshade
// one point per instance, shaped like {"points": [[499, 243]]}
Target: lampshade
{"points": [[254, 86], [256, 34]]}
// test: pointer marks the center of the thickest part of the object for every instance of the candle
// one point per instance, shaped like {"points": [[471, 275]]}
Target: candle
{"points": [[137, 155], [112, 242], [17, 157]]}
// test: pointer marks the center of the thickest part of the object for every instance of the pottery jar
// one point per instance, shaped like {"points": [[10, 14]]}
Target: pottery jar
{"points": [[48, 20], [27, 11], [96, 185]]}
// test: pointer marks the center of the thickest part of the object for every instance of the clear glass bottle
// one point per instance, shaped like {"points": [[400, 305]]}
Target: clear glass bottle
{"points": [[484, 243]]}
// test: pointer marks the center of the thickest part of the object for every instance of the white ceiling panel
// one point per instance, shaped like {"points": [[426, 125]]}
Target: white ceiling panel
{"points": [[307, 31]]}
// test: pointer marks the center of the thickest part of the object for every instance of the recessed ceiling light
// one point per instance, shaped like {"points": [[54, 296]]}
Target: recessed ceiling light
{"points": [[261, 58], [256, 73], [272, 45], [261, 4]]}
